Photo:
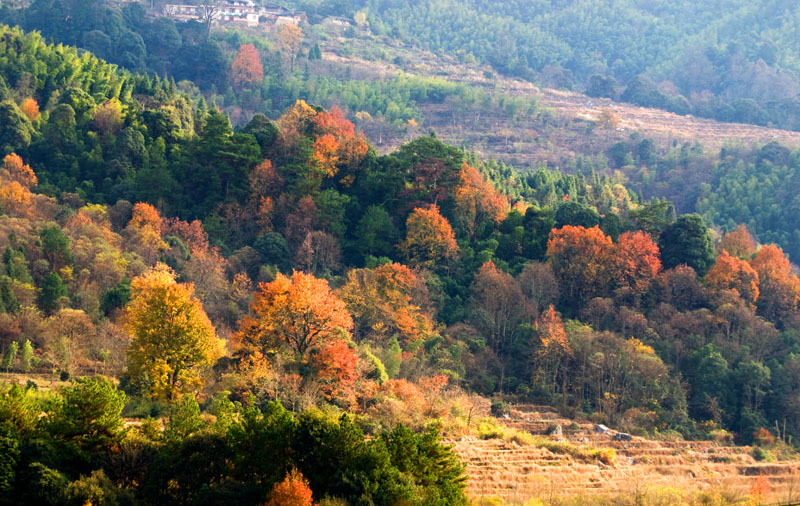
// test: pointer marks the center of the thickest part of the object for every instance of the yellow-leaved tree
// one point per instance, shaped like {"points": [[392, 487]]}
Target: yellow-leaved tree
{"points": [[172, 337], [429, 238]]}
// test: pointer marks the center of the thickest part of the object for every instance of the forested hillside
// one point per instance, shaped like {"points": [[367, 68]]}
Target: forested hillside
{"points": [[257, 300], [729, 60]]}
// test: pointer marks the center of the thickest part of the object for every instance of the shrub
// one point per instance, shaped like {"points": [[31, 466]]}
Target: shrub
{"points": [[762, 455], [500, 408], [763, 437]]}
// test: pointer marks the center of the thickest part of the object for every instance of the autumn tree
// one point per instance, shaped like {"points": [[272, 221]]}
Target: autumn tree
{"points": [[731, 273], [292, 491], [539, 285], [108, 119], [144, 232], [429, 238], [319, 253], [497, 310], [334, 123], [68, 338], [779, 288], [296, 121], [30, 108], [300, 313], [389, 300], [738, 243], [14, 169], [553, 351], [636, 262], [608, 119], [581, 261], [15, 199], [265, 186], [335, 364], [477, 202], [172, 338], [290, 38], [246, 68], [209, 12], [302, 220], [325, 155]]}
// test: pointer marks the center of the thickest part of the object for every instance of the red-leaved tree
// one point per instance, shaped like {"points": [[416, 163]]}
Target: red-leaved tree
{"points": [[246, 68]]}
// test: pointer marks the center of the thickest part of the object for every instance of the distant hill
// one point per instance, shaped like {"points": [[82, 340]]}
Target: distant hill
{"points": [[729, 59]]}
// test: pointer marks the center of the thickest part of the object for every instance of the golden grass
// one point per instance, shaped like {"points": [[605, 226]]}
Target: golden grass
{"points": [[648, 495], [44, 382]]}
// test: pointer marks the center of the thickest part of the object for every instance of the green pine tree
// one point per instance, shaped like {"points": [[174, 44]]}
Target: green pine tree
{"points": [[8, 301], [52, 290]]}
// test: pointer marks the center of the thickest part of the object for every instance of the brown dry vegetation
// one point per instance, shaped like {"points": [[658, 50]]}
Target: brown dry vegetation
{"points": [[566, 128], [671, 471]]}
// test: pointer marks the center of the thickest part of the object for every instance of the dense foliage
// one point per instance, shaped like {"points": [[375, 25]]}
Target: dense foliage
{"points": [[79, 452], [288, 266]]}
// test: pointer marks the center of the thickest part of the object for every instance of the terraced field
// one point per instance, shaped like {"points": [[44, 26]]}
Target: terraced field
{"points": [[517, 473]]}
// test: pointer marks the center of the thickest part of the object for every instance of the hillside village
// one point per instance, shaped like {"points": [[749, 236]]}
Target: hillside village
{"points": [[236, 13]]}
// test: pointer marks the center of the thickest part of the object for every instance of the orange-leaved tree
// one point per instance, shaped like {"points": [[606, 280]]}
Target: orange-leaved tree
{"points": [[731, 273], [386, 301], [553, 352], [16, 180], [477, 201], [636, 261], [300, 313], [738, 243], [334, 123], [172, 339], [246, 68], [325, 155], [292, 491], [335, 364], [779, 288], [144, 232], [429, 238], [30, 107], [14, 169], [581, 259], [350, 148]]}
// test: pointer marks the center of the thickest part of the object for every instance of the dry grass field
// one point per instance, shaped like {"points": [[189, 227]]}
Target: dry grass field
{"points": [[516, 473], [524, 141], [44, 382]]}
